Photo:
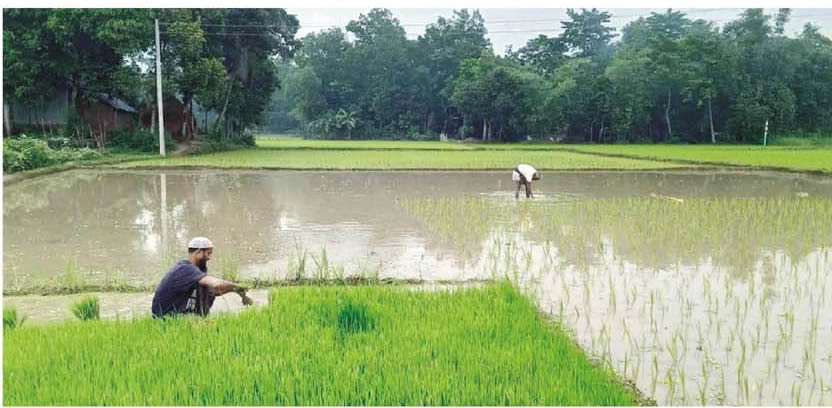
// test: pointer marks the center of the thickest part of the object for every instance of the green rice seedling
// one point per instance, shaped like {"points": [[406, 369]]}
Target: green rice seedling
{"points": [[86, 308], [70, 281], [297, 263], [426, 348], [11, 320], [322, 268], [230, 272], [355, 318]]}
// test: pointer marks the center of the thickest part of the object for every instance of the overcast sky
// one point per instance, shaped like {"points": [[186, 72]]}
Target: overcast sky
{"points": [[516, 26]]}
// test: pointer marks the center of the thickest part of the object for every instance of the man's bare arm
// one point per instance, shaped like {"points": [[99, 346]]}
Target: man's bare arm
{"points": [[218, 286]]}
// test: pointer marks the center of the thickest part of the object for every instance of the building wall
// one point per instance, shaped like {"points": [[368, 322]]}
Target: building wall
{"points": [[102, 119], [54, 113]]}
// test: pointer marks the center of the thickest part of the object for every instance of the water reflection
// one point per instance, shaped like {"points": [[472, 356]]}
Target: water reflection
{"points": [[103, 221]]}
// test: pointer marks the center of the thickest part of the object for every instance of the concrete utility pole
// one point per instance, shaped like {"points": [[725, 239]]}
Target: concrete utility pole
{"points": [[159, 92], [765, 134]]}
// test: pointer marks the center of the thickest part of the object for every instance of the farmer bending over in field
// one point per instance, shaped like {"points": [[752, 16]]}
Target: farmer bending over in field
{"points": [[187, 288], [524, 175]]}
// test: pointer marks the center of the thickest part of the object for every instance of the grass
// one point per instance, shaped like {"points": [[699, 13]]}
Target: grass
{"points": [[400, 159], [293, 153], [108, 159], [295, 143], [11, 320], [316, 346], [86, 308], [816, 159]]}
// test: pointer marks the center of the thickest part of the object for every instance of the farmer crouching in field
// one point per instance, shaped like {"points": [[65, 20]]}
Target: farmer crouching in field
{"points": [[187, 288], [524, 175]]}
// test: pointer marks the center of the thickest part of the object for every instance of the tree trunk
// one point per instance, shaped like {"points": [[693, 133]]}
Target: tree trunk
{"points": [[153, 119], [484, 129], [667, 116], [7, 124], [225, 104], [711, 119], [601, 132]]}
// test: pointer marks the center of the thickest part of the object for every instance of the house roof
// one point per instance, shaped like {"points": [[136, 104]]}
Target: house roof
{"points": [[116, 103]]}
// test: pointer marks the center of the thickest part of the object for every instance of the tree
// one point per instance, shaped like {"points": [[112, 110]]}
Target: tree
{"points": [[707, 60], [251, 74], [383, 76], [82, 49], [441, 49], [586, 33], [544, 54], [305, 90], [505, 98]]}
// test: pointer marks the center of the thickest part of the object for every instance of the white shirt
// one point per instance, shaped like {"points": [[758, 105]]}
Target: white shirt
{"points": [[526, 170]]}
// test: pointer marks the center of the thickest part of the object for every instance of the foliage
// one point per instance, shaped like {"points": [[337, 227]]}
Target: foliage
{"points": [[108, 50], [138, 139], [667, 78], [26, 153]]}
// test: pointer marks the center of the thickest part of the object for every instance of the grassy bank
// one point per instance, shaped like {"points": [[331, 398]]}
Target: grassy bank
{"points": [[815, 159], [320, 346], [104, 160]]}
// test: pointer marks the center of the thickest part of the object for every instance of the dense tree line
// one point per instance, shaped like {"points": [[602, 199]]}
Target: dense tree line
{"points": [[665, 78], [223, 59]]}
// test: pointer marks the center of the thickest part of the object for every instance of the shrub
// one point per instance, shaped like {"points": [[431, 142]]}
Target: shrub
{"points": [[25, 153], [138, 139], [86, 308]]}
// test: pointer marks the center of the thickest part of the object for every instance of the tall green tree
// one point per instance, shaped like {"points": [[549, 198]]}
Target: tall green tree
{"points": [[587, 32], [445, 44]]}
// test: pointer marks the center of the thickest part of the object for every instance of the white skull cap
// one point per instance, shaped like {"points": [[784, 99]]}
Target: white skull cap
{"points": [[200, 243]]}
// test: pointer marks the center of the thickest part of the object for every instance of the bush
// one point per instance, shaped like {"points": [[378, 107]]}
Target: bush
{"points": [[222, 141], [138, 139], [86, 308], [69, 154], [25, 153]]}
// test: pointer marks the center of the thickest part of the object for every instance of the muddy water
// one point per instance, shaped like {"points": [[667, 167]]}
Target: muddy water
{"points": [[113, 226], [690, 318]]}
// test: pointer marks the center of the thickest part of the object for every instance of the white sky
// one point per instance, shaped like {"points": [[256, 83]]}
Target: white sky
{"points": [[513, 26]]}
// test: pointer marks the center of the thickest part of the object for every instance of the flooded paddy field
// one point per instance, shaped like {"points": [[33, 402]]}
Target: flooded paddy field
{"points": [[702, 288]]}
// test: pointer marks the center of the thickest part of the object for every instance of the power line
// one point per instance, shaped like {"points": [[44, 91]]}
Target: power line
{"points": [[485, 24]]}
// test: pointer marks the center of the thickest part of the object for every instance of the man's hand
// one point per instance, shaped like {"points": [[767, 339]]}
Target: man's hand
{"points": [[246, 300]]}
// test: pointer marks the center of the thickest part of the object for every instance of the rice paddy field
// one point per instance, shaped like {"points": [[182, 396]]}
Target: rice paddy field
{"points": [[815, 159], [296, 153], [704, 301], [316, 346], [398, 159], [667, 267]]}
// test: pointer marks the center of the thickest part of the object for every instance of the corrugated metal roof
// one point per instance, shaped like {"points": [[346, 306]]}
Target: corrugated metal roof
{"points": [[116, 103]]}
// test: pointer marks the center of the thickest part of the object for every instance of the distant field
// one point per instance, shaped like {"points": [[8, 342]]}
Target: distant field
{"points": [[287, 143], [792, 158], [316, 346], [402, 159]]}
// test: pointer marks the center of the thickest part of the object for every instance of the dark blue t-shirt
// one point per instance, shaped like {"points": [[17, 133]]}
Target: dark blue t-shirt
{"points": [[175, 288]]}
